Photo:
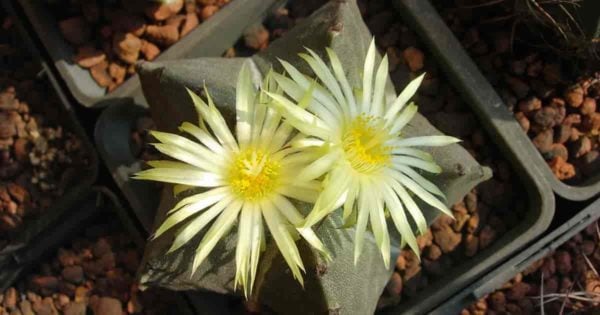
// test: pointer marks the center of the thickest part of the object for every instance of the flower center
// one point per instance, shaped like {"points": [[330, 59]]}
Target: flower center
{"points": [[253, 174], [364, 144]]}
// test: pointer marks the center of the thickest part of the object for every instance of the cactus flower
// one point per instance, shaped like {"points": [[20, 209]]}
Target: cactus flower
{"points": [[369, 168], [246, 179]]}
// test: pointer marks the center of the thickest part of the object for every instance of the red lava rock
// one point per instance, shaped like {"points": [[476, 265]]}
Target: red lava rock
{"points": [[574, 96], [562, 133], [523, 121], [433, 252], [127, 47], [75, 308], [498, 301], [446, 238], [208, 11], [88, 56], [530, 104], [191, 21], [73, 274], [487, 236], [581, 147], [414, 58], [543, 141], [413, 267], [563, 262], [117, 72], [394, 286], [160, 12], [165, 35], [589, 106], [256, 37], [75, 30], [149, 50], [100, 74], [471, 245]]}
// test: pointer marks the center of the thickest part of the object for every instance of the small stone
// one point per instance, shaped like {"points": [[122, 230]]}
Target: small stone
{"points": [[530, 104], [546, 117], [75, 308], [165, 35], [160, 11], [21, 149], [518, 291], [73, 274], [561, 169], [581, 147], [100, 74], [433, 252], [589, 106], [563, 262], [10, 298], [588, 247], [592, 122], [471, 245], [127, 47], [534, 69], [394, 286], [117, 72], [446, 238], [523, 121], [551, 73], [562, 133], [543, 141], [191, 21], [572, 119], [498, 301], [61, 301], [558, 149], [256, 37], [101, 247], [149, 50], [518, 67], [88, 56], [17, 192], [473, 223], [108, 306], [208, 11], [487, 236], [75, 30], [48, 283], [574, 96], [518, 86], [25, 307], [414, 58]]}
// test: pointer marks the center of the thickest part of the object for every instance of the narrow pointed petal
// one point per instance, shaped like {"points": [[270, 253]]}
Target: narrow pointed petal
{"points": [[177, 217], [380, 231], [217, 230], [400, 220], [426, 141], [338, 69], [364, 204], [414, 162], [172, 164], [419, 179], [217, 193], [410, 204], [422, 193], [404, 118], [299, 193], [319, 167], [368, 71], [283, 239], [324, 74], [183, 155], [413, 152], [333, 196], [196, 225], [353, 187], [302, 120], [406, 94], [244, 106], [202, 136], [243, 247], [379, 89], [181, 176], [258, 236], [214, 119]]}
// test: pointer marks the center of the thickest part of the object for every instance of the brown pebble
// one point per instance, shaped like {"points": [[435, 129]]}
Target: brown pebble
{"points": [[117, 72], [433, 252], [543, 141], [562, 133], [75, 308], [414, 58], [191, 21], [446, 238], [149, 50], [10, 298], [581, 147], [523, 121], [518, 86], [530, 104], [73, 274], [487, 236], [165, 35], [547, 117], [471, 245], [100, 74], [394, 286], [75, 30], [574, 96], [88, 56], [589, 106], [561, 169], [498, 301], [160, 11], [208, 11], [563, 262], [108, 306], [127, 47], [591, 122]]}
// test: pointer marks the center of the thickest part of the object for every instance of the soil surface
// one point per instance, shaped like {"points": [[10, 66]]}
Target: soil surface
{"points": [[567, 280], [111, 36], [39, 157], [553, 97], [94, 272]]}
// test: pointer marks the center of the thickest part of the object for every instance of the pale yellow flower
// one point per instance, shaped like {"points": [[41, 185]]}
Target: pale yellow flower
{"points": [[370, 168], [250, 177]]}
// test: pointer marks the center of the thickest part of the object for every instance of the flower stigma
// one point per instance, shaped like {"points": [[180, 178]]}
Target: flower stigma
{"points": [[364, 144], [254, 174]]}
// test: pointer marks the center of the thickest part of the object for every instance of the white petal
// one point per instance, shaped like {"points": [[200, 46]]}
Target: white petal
{"points": [[410, 204], [243, 247], [209, 198], [244, 106], [202, 136], [189, 146], [283, 239], [172, 164], [324, 74], [302, 120], [404, 118], [413, 152], [406, 94], [299, 193], [196, 225], [319, 167], [399, 217], [379, 89], [422, 181], [379, 227], [258, 236], [422, 193], [221, 226], [333, 196], [428, 166], [215, 120], [201, 197], [426, 141], [368, 78], [181, 176], [364, 205], [338, 69]]}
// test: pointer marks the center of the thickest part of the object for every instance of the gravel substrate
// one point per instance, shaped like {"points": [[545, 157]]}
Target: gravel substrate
{"points": [[39, 157], [554, 101], [111, 36], [567, 280], [96, 273]]}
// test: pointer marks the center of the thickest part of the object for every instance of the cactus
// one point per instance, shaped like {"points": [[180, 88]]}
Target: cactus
{"points": [[329, 287]]}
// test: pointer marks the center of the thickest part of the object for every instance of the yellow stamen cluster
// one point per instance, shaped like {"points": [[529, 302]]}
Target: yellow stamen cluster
{"points": [[254, 174], [364, 144]]}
